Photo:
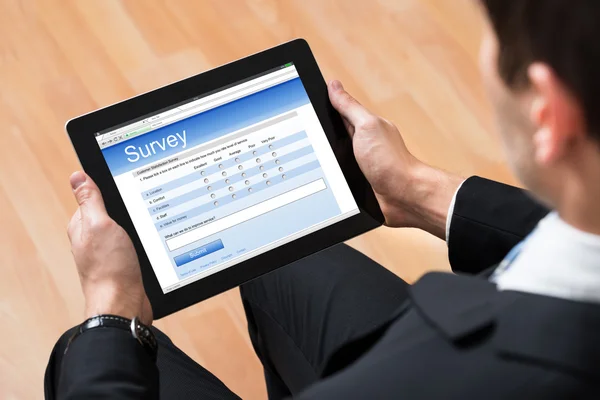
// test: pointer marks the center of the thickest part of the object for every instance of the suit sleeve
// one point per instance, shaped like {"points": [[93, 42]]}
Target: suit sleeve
{"points": [[489, 219], [100, 364]]}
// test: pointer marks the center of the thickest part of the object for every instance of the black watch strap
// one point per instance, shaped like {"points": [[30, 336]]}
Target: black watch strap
{"points": [[140, 332]]}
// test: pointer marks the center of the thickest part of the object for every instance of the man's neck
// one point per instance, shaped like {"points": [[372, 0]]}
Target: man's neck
{"points": [[579, 200], [589, 223]]}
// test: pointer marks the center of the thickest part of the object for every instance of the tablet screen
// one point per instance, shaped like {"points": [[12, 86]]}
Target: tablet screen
{"points": [[227, 175]]}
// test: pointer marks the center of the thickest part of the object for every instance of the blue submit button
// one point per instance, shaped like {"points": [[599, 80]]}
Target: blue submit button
{"points": [[198, 253]]}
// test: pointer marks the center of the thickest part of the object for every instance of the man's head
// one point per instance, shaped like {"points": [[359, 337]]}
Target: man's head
{"points": [[540, 60]]}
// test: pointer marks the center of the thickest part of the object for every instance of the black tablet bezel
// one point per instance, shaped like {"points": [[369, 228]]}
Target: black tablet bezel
{"points": [[81, 130]]}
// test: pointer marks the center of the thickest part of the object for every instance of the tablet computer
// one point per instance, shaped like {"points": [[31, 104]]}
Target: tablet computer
{"points": [[227, 175]]}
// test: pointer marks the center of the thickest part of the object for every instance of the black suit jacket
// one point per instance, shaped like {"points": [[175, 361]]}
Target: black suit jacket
{"points": [[456, 337]]}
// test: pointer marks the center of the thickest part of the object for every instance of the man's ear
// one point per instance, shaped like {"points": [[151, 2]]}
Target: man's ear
{"points": [[555, 113]]}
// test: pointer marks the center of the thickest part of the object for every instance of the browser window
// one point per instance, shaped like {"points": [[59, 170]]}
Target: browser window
{"points": [[226, 176]]}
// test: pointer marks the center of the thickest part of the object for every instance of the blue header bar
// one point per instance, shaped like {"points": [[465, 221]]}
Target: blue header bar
{"points": [[206, 126]]}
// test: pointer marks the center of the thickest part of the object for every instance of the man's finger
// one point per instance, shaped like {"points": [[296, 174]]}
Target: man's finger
{"points": [[348, 106], [74, 225], [88, 196], [349, 127]]}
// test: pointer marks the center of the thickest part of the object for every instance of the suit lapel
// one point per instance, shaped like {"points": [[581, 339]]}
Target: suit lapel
{"points": [[456, 305], [558, 333]]}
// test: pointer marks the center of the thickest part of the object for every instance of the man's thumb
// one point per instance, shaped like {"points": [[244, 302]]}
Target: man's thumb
{"points": [[87, 195], [348, 106]]}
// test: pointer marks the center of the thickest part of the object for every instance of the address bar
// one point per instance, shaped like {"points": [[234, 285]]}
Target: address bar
{"points": [[231, 90], [220, 98]]}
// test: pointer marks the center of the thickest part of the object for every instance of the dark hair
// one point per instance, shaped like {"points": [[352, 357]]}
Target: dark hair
{"points": [[564, 34]]}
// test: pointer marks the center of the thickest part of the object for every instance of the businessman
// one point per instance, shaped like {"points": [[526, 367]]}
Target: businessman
{"points": [[521, 320]]}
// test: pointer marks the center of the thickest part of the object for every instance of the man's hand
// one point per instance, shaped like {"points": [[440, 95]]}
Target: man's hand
{"points": [[106, 259], [410, 193]]}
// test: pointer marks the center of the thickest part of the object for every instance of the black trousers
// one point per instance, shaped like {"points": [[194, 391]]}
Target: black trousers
{"points": [[297, 316]]}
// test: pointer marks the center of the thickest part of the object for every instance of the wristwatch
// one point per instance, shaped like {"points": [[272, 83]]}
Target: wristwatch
{"points": [[140, 332]]}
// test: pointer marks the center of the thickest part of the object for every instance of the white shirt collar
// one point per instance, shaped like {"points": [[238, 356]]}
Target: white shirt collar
{"points": [[556, 260]]}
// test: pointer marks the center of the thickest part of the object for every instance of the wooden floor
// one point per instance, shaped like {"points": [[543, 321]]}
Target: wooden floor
{"points": [[413, 61]]}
